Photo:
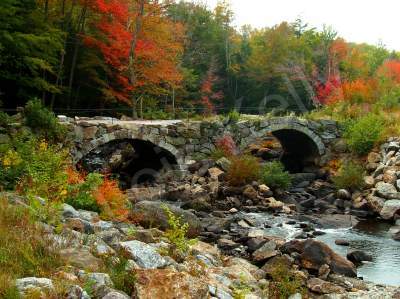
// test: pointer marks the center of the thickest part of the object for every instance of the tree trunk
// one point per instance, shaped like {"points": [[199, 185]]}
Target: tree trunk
{"points": [[76, 50]]}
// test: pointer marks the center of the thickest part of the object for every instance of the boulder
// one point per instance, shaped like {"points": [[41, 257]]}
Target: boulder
{"points": [[68, 211], [201, 203], [343, 194], [373, 157], [152, 214], [144, 194], [395, 232], [215, 173], [387, 191], [265, 190], [389, 176], [320, 286], [277, 261], [34, 284], [250, 193], [369, 181], [169, 284], [81, 258], [76, 292], [114, 294], [314, 254], [342, 242], [144, 255], [359, 256], [375, 203], [390, 209], [265, 252]]}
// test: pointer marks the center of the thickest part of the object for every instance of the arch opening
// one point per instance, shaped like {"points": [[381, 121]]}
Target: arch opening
{"points": [[299, 151], [131, 161]]}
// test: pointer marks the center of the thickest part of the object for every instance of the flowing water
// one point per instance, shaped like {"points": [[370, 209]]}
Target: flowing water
{"points": [[369, 236]]}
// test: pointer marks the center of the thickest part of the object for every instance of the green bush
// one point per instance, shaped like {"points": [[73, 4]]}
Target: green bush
{"points": [[243, 170], [362, 134], [80, 196], [350, 176], [233, 116], [273, 174], [217, 154], [176, 234], [5, 119], [43, 122], [33, 165]]}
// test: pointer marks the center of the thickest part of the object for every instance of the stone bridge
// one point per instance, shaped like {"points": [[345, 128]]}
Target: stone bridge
{"points": [[183, 141]]}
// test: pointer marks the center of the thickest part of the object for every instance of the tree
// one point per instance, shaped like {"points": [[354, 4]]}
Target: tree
{"points": [[29, 51]]}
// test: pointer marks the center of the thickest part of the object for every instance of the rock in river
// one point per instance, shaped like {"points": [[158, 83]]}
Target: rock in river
{"points": [[358, 256], [314, 254], [390, 208]]}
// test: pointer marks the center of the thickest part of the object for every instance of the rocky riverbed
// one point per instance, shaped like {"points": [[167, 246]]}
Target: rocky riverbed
{"points": [[251, 239]]}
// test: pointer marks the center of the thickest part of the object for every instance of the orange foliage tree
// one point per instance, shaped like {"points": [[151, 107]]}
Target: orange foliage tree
{"points": [[390, 70], [356, 91]]}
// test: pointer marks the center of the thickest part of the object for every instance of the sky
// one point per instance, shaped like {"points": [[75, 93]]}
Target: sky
{"points": [[370, 21]]}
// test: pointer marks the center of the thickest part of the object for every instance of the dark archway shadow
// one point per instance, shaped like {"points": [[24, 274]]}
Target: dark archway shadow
{"points": [[132, 161], [299, 150]]}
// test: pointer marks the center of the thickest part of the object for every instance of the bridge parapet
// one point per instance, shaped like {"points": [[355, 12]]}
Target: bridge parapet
{"points": [[186, 139]]}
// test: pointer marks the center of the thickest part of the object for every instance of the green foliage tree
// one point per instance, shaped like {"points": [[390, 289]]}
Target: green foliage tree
{"points": [[29, 51]]}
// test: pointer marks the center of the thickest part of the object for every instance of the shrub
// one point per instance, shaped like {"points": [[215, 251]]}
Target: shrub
{"points": [[350, 176], [81, 195], [176, 234], [362, 135], [25, 250], [243, 170], [233, 116], [226, 145], [122, 278], [217, 154], [273, 174], [284, 283], [111, 200], [97, 193], [33, 166], [45, 174], [5, 119], [43, 122]]}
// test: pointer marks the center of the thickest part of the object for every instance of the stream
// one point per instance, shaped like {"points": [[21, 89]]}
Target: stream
{"points": [[370, 236]]}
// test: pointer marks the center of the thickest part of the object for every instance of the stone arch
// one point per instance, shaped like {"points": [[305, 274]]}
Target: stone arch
{"points": [[301, 145], [292, 126], [125, 134]]}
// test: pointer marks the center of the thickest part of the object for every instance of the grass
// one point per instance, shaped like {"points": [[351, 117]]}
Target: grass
{"points": [[24, 248]]}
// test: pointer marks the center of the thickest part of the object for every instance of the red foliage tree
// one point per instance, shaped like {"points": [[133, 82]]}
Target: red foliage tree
{"points": [[325, 90], [113, 41], [208, 96]]}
